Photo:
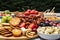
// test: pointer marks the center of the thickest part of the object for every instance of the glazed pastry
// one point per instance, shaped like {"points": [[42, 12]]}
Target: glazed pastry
{"points": [[16, 32], [14, 21]]}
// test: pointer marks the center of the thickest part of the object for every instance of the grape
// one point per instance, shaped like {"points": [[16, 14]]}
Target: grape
{"points": [[54, 24], [42, 24], [46, 23], [36, 26]]}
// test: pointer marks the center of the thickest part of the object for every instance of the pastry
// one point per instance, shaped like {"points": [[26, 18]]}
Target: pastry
{"points": [[14, 21], [16, 32]]}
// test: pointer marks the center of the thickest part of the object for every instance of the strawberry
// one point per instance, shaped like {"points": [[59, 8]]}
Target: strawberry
{"points": [[26, 13], [32, 26], [33, 12], [28, 10], [23, 25], [36, 12]]}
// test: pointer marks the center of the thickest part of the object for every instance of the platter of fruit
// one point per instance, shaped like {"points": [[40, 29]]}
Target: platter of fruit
{"points": [[24, 25]]}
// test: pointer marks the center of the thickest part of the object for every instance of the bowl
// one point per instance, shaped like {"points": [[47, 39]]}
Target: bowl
{"points": [[48, 36]]}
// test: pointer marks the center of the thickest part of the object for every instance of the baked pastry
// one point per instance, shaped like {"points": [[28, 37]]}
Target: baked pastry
{"points": [[16, 32], [15, 21], [31, 34]]}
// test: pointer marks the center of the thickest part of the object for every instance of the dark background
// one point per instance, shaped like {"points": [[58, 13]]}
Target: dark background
{"points": [[40, 5]]}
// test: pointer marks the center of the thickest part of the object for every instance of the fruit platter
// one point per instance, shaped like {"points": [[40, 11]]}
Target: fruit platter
{"points": [[25, 25]]}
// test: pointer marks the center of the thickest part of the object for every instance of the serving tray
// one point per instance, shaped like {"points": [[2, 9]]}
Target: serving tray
{"points": [[21, 37]]}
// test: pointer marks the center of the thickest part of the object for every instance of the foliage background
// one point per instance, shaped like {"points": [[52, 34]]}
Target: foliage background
{"points": [[40, 5]]}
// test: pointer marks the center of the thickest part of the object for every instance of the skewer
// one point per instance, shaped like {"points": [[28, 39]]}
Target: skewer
{"points": [[47, 11], [52, 10]]}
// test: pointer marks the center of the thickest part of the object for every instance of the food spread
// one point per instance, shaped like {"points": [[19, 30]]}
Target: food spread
{"points": [[25, 24], [22, 24]]}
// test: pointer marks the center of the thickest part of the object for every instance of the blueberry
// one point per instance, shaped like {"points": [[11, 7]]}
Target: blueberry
{"points": [[42, 24], [46, 23]]}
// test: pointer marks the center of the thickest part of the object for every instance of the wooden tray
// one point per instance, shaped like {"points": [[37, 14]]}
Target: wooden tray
{"points": [[21, 38]]}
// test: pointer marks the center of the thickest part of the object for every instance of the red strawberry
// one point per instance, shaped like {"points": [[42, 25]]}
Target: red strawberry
{"points": [[33, 12], [36, 12], [26, 13], [23, 25], [32, 26], [29, 10]]}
